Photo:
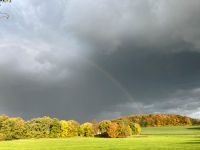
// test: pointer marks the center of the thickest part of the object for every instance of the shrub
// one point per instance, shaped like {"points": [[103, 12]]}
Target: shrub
{"points": [[187, 121], [103, 126], [39, 127], [119, 130], [136, 128], [69, 128], [86, 130], [13, 128], [96, 127], [195, 121], [55, 129], [124, 130], [113, 130], [3, 118], [2, 137]]}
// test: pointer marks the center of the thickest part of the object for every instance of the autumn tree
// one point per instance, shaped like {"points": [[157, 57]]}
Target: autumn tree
{"points": [[13, 128], [119, 130], [103, 126], [113, 130], [69, 128]]}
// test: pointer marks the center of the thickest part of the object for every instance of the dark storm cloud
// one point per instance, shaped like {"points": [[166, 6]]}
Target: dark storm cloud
{"points": [[140, 23], [86, 59]]}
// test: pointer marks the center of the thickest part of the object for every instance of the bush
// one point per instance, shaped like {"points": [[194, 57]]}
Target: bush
{"points": [[103, 126], [124, 130], [119, 130], [39, 127], [69, 128], [195, 121], [55, 129], [136, 128], [2, 118], [112, 130], [2, 137], [13, 128], [96, 127], [86, 130]]}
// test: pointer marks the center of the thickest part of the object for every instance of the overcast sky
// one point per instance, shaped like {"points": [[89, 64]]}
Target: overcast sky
{"points": [[87, 59]]}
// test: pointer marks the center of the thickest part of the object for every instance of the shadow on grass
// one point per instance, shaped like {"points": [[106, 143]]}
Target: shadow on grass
{"points": [[139, 136], [194, 128], [103, 135], [192, 142]]}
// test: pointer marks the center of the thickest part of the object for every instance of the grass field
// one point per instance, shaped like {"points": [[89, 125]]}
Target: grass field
{"points": [[156, 138]]}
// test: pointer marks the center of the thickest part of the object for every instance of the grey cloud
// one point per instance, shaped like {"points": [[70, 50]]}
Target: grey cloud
{"points": [[157, 25], [183, 102], [82, 59]]}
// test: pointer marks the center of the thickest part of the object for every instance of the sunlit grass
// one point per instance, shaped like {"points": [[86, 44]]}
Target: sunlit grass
{"points": [[162, 138]]}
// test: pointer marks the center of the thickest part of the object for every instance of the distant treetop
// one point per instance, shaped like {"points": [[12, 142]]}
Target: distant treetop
{"points": [[5, 1], [2, 14]]}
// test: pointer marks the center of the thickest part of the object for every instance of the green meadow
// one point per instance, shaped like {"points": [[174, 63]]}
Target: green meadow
{"points": [[152, 138]]}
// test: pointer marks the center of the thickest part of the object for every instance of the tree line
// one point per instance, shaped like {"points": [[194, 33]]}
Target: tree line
{"points": [[156, 120], [47, 127]]}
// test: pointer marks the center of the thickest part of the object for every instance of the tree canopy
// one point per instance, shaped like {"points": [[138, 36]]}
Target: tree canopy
{"points": [[3, 14], [5, 1]]}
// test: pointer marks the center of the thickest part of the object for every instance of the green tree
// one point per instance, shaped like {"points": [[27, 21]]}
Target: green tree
{"points": [[86, 130], [55, 128], [39, 127], [124, 130], [13, 128], [135, 127], [103, 126], [2, 137], [3, 118]]}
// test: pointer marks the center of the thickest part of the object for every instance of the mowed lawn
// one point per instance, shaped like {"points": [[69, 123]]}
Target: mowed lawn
{"points": [[156, 138]]}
